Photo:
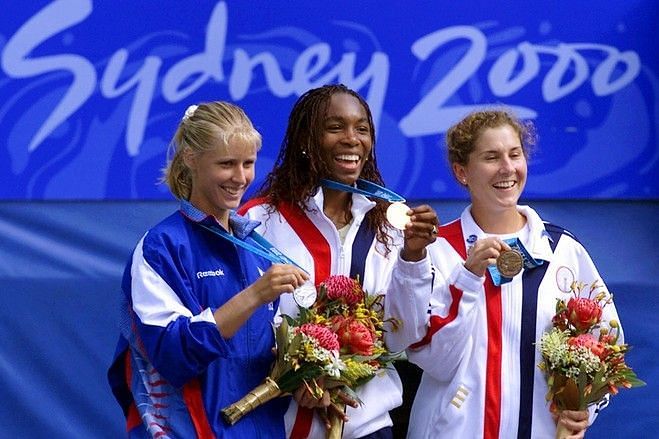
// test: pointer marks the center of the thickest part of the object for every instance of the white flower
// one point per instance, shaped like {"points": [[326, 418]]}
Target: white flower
{"points": [[335, 365], [189, 112]]}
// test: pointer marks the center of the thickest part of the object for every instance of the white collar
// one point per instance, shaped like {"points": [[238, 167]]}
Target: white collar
{"points": [[538, 238], [360, 204]]}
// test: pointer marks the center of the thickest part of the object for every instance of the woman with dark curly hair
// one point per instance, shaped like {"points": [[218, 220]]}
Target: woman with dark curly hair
{"points": [[325, 207], [506, 268]]}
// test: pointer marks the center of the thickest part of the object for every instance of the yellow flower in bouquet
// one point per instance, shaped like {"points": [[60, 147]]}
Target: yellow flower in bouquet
{"points": [[340, 339], [581, 354], [305, 352], [358, 320]]}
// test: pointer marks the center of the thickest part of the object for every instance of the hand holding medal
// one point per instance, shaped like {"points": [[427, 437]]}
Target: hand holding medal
{"points": [[419, 226], [510, 263], [397, 215], [503, 259], [305, 295]]}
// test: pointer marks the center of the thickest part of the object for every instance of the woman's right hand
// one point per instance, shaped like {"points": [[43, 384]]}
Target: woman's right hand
{"points": [[280, 278], [483, 253], [325, 406]]}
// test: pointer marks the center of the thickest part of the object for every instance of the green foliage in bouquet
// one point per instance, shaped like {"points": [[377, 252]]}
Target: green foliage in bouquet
{"points": [[581, 354]]}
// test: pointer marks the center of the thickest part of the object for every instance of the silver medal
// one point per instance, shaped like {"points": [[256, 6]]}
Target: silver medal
{"points": [[305, 295]]}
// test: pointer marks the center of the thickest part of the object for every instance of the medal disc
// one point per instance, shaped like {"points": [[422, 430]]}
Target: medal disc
{"points": [[510, 263], [305, 295], [397, 215]]}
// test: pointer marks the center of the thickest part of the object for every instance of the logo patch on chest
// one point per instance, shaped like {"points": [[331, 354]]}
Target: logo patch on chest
{"points": [[210, 273]]}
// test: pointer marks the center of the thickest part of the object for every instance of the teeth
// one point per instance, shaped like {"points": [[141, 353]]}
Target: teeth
{"points": [[348, 157], [232, 191], [504, 185]]}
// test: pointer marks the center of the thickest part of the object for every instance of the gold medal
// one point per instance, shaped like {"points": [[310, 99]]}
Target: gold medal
{"points": [[510, 263], [397, 215]]}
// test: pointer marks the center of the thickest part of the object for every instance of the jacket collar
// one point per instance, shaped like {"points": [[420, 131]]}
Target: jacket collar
{"points": [[538, 240], [240, 225], [360, 204]]}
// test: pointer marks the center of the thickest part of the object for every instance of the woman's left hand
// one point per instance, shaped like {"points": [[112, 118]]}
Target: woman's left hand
{"points": [[419, 232], [574, 421]]}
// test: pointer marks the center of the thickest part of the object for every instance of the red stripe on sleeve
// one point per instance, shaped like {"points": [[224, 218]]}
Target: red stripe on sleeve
{"points": [[302, 425], [251, 203], [438, 322], [452, 232], [132, 417]]}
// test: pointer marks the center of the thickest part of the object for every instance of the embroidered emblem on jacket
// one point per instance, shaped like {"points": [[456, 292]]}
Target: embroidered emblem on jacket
{"points": [[460, 396], [210, 273]]}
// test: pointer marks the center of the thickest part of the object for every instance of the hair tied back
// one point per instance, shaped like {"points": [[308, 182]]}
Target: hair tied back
{"points": [[189, 112]]}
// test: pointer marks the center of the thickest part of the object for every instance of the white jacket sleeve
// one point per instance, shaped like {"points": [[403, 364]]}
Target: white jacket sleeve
{"points": [[450, 320], [406, 303]]}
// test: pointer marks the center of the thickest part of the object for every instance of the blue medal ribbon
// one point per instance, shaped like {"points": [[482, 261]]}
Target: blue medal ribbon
{"points": [[529, 262], [264, 249], [366, 188]]}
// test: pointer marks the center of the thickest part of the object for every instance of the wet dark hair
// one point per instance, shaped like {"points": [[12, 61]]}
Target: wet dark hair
{"points": [[300, 166]]}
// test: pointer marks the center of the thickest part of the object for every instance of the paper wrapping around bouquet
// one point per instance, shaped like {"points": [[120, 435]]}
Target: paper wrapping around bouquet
{"points": [[259, 395], [336, 424], [567, 398]]}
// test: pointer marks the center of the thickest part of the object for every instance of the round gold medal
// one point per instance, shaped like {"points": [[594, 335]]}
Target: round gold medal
{"points": [[510, 263], [397, 215]]}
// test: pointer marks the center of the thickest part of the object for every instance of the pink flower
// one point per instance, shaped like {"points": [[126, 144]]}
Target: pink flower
{"points": [[355, 337], [583, 313], [325, 337], [341, 287], [589, 341]]}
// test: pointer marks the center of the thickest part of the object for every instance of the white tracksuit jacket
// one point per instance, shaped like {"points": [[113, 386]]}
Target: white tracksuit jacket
{"points": [[454, 339], [384, 392]]}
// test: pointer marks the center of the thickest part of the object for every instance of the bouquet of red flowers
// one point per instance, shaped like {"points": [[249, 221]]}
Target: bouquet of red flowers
{"points": [[339, 338], [581, 356]]}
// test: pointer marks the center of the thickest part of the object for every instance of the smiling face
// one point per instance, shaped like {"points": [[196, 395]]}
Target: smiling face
{"points": [[347, 138], [220, 177], [495, 173]]}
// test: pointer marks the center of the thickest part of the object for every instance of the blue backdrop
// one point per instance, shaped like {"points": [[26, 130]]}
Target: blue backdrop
{"points": [[91, 93], [60, 273]]}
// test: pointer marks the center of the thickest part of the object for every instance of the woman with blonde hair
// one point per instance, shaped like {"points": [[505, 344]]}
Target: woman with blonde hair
{"points": [[199, 300]]}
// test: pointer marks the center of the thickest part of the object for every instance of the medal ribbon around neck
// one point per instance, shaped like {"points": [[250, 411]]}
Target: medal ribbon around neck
{"points": [[304, 295], [264, 249], [366, 188], [516, 245], [397, 210]]}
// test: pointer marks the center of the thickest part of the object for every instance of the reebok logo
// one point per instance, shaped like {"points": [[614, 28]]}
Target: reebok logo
{"points": [[210, 273]]}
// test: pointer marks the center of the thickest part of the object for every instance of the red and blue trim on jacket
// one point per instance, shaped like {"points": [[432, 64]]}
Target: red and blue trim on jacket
{"points": [[531, 279]]}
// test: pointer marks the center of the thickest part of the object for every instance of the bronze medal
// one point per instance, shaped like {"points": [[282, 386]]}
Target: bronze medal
{"points": [[510, 263]]}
